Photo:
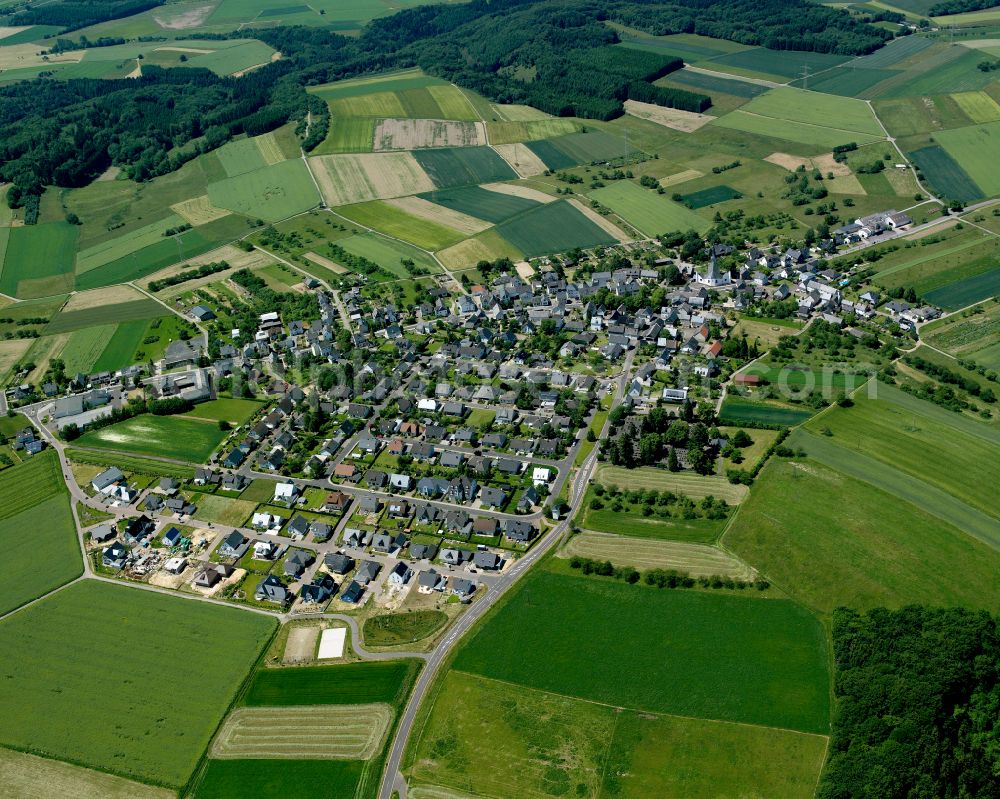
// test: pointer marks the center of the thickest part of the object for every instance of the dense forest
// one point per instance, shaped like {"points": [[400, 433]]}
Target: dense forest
{"points": [[918, 705], [76, 14], [552, 54]]}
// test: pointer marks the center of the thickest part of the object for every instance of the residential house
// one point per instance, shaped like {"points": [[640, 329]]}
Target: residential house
{"points": [[400, 575], [430, 581]]}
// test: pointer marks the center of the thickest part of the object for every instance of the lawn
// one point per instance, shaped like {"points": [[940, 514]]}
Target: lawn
{"points": [[240, 156], [37, 532], [556, 227], [397, 223], [647, 211], [490, 206], [39, 260], [123, 642], [631, 522], [392, 629], [885, 552], [222, 510], [694, 559], [449, 167], [171, 437], [234, 411], [976, 149], [271, 193], [691, 653]]}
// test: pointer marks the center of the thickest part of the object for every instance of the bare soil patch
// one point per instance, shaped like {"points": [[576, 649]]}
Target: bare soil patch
{"points": [[346, 179], [789, 162], [514, 190], [301, 645], [415, 134], [673, 118], [333, 266], [198, 210], [433, 212], [680, 177], [521, 159], [112, 295], [173, 19]]}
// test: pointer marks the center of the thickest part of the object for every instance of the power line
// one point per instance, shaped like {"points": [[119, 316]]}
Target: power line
{"points": [[805, 76]]}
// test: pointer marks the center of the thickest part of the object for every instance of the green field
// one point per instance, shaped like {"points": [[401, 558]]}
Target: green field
{"points": [[491, 206], [715, 84], [545, 745], [167, 251], [463, 166], [945, 174], [976, 149], [235, 411], [885, 552], [823, 137], [348, 684], [223, 510], [120, 640], [125, 344], [134, 310], [529, 130], [555, 227], [112, 249], [966, 291], [271, 193], [710, 196], [397, 223], [776, 63], [39, 260], [896, 428], [348, 135], [972, 335], [632, 523], [270, 779], [647, 211], [734, 658], [578, 148], [736, 410], [388, 253], [85, 347], [171, 437], [240, 156], [978, 106], [37, 532]]}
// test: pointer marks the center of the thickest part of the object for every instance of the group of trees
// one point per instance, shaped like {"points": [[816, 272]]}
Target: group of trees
{"points": [[662, 578], [657, 436], [918, 694]]}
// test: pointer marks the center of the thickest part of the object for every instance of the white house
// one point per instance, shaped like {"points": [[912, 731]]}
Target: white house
{"points": [[266, 522], [285, 492], [427, 404], [541, 475], [263, 550]]}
